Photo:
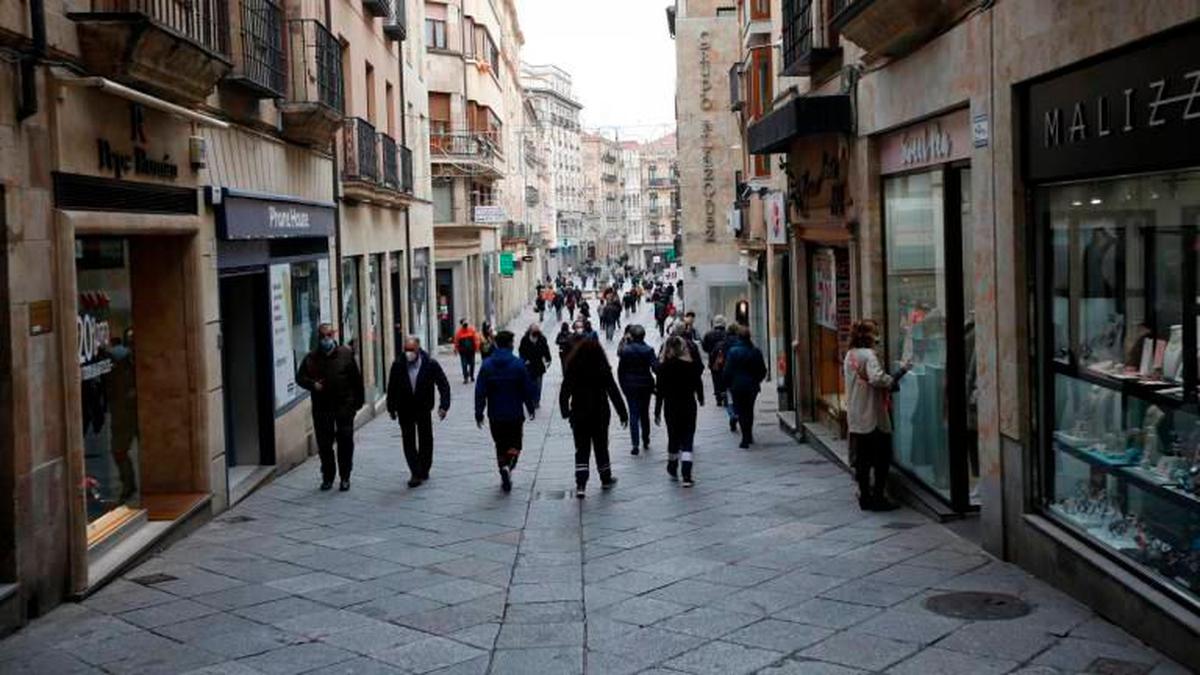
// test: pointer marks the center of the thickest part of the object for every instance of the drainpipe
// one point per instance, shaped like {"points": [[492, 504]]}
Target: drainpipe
{"points": [[337, 210], [28, 105], [408, 247]]}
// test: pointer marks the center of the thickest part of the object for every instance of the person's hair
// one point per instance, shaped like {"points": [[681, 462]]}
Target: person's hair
{"points": [[743, 332], [535, 326], [862, 334], [504, 339], [464, 321], [413, 338], [636, 332], [587, 360], [674, 348], [566, 326], [689, 314], [323, 327], [718, 320]]}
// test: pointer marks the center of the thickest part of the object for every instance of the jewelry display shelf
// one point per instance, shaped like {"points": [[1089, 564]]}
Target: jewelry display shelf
{"points": [[1159, 485], [1093, 458], [1151, 391]]}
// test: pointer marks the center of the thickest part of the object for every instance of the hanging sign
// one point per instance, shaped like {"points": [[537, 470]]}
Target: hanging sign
{"points": [[506, 264], [776, 219]]}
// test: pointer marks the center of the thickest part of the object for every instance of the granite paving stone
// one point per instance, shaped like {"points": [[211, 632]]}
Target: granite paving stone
{"points": [[767, 566]]}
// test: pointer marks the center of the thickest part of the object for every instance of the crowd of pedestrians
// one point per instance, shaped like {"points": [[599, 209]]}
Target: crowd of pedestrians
{"points": [[508, 387]]}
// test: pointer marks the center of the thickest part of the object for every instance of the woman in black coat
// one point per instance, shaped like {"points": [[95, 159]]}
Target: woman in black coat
{"points": [[535, 352], [679, 390], [587, 389]]}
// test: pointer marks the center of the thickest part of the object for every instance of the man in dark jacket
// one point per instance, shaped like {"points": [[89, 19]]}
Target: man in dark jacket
{"points": [[745, 369], [712, 343], [502, 389], [636, 364], [410, 400], [535, 352], [330, 373]]}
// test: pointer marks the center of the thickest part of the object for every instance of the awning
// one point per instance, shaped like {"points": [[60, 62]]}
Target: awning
{"points": [[801, 116]]}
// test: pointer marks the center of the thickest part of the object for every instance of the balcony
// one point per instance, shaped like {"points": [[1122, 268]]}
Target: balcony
{"points": [[176, 50], [312, 111], [360, 160], [391, 161], [259, 65], [406, 171], [661, 182], [735, 87], [395, 24], [465, 154], [893, 28], [807, 45], [376, 7], [514, 234], [608, 177]]}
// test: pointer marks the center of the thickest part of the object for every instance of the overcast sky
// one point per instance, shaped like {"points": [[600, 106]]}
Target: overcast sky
{"points": [[619, 54]]}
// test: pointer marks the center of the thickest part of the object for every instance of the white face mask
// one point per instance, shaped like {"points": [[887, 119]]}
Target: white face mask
{"points": [[411, 356]]}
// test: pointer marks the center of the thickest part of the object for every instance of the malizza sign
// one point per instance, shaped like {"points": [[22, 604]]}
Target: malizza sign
{"points": [[1138, 109]]}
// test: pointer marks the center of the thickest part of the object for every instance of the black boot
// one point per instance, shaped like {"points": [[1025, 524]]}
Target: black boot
{"points": [[687, 475], [673, 469]]}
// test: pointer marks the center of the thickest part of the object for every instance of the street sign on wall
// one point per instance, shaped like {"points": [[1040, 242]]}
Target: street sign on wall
{"points": [[506, 263], [490, 215]]}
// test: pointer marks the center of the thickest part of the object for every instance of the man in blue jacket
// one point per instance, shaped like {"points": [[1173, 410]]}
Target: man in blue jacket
{"points": [[502, 388], [636, 364], [745, 369]]}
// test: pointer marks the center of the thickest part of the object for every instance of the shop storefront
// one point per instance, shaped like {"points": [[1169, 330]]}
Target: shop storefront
{"points": [[274, 279], [126, 226], [374, 327], [1113, 169], [418, 297], [928, 254]]}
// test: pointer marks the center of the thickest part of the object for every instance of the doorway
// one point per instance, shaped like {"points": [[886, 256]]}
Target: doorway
{"points": [[246, 367], [445, 300]]}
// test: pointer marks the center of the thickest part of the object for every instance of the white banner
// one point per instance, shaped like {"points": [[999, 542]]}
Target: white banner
{"points": [[776, 219], [490, 215], [281, 334]]}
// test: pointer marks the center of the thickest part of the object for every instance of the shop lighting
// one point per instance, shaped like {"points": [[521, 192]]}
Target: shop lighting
{"points": [[1076, 203], [1096, 200]]}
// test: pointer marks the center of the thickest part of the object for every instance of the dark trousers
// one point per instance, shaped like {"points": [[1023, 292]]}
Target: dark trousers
{"points": [[591, 437], [468, 365], [743, 407], [638, 401], [718, 387], [681, 436], [329, 427], [872, 453], [508, 437], [417, 433]]}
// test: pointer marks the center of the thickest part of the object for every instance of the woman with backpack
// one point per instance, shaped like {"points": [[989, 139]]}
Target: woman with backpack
{"points": [[868, 394]]}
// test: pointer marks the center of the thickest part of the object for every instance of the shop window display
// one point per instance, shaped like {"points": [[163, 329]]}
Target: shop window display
{"points": [[108, 385], [351, 323], [1125, 428]]}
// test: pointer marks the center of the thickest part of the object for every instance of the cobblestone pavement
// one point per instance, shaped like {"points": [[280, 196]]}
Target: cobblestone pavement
{"points": [[766, 566]]}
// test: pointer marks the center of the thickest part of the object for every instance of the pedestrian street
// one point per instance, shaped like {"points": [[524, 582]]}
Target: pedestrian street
{"points": [[766, 566]]}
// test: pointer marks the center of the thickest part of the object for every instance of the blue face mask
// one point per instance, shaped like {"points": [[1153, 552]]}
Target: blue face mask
{"points": [[327, 344]]}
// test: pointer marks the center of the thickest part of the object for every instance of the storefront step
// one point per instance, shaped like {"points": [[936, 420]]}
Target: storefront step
{"points": [[169, 517], [10, 608], [902, 488], [247, 482]]}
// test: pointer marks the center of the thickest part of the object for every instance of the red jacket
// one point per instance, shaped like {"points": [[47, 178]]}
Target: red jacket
{"points": [[467, 333]]}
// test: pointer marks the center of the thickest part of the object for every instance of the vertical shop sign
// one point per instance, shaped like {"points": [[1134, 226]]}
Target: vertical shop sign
{"points": [[323, 286], [842, 272], [281, 334], [825, 280]]}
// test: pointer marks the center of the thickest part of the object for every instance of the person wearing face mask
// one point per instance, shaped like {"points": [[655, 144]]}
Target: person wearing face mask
{"points": [[411, 384], [564, 341], [331, 374], [535, 352]]}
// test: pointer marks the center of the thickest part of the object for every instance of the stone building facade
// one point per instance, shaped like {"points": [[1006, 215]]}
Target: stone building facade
{"points": [[1018, 231], [196, 187], [714, 271]]}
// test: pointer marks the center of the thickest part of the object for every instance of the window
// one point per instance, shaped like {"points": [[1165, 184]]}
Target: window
{"points": [[371, 107], [435, 33], [439, 118], [351, 332], [469, 49], [389, 100], [443, 201]]}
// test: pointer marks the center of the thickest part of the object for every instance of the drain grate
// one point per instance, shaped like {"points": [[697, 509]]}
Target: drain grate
{"points": [[975, 606], [152, 579], [899, 526], [234, 520], [552, 494], [1107, 666]]}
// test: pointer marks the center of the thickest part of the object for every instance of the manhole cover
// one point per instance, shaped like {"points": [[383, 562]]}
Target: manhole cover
{"points": [[899, 526], [978, 606], [1106, 666], [552, 494], [151, 579], [233, 520]]}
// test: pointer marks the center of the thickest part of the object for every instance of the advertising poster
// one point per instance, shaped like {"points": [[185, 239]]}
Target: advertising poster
{"points": [[323, 284], [825, 289], [281, 335]]}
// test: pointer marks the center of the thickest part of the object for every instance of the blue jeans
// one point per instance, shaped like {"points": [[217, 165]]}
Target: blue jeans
{"points": [[638, 401]]}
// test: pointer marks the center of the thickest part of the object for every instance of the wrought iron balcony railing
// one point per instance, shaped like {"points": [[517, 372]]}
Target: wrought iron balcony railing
{"points": [[395, 24], [260, 63], [316, 64], [361, 143], [805, 39], [391, 161], [203, 22], [462, 146], [406, 170], [375, 7]]}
